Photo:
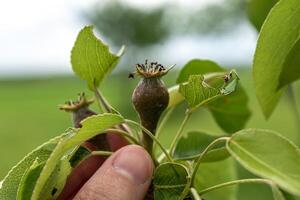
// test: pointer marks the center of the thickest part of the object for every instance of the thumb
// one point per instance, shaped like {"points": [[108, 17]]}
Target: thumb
{"points": [[126, 175]]}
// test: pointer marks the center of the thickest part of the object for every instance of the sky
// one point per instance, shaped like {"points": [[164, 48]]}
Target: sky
{"points": [[36, 36]]}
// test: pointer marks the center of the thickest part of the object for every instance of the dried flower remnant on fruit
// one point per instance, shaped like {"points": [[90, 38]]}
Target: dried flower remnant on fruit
{"points": [[150, 70], [150, 97], [80, 111]]}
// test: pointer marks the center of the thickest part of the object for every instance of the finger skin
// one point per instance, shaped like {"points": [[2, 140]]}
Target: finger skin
{"points": [[116, 141], [80, 175], [126, 175], [87, 168]]}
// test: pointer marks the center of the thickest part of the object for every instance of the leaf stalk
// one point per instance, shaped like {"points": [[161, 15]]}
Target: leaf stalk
{"points": [[161, 125], [210, 146], [179, 133], [146, 131], [195, 194], [230, 183]]}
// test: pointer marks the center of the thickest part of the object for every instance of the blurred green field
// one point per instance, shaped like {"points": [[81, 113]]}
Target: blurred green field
{"points": [[30, 115]]}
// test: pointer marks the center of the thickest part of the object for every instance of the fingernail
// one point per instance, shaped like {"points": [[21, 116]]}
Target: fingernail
{"points": [[135, 163]]}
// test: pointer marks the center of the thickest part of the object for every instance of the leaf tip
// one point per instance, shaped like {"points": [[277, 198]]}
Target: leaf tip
{"points": [[121, 51]]}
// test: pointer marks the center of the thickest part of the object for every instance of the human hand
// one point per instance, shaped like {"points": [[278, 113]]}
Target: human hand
{"points": [[126, 175]]}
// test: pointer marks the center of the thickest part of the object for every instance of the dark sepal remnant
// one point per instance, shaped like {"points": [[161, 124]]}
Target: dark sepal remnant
{"points": [[150, 70]]}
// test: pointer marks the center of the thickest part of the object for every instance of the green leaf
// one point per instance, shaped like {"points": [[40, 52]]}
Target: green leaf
{"points": [[91, 126], [193, 67], [170, 180], [28, 181], [198, 92], [231, 85], [277, 194], [197, 67], [56, 181], [288, 196], [214, 173], [191, 146], [54, 185], [267, 154], [291, 67], [11, 182], [91, 59], [80, 154], [275, 47], [231, 112], [258, 10]]}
